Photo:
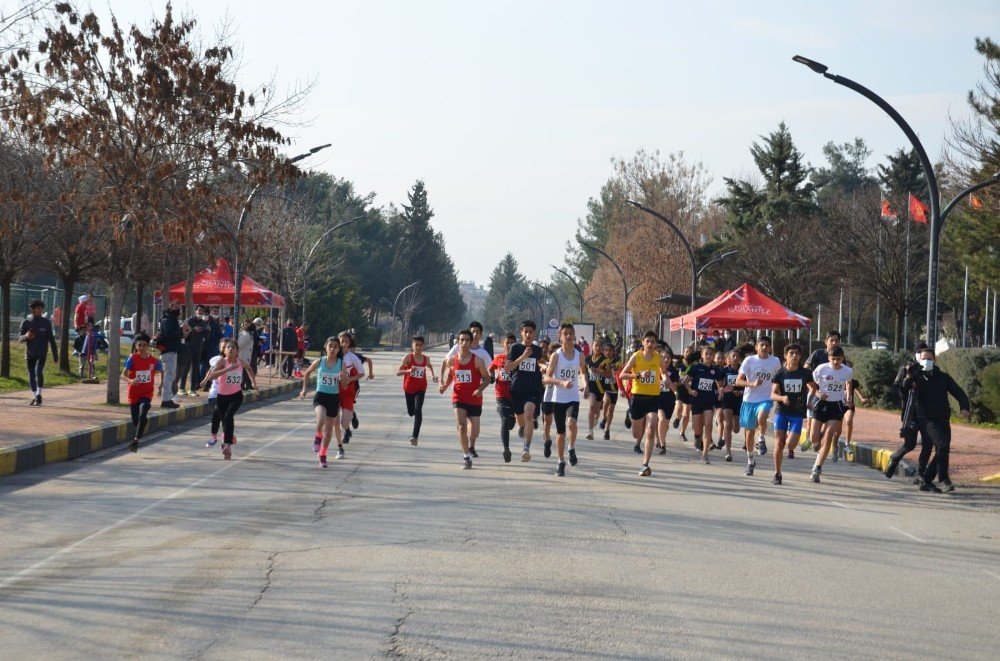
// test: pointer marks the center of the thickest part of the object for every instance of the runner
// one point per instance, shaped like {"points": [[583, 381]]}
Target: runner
{"points": [[355, 368], [834, 387], [522, 364], [849, 413], [816, 358], [369, 375], [330, 375], [213, 394], [684, 399], [594, 388], [505, 407], [548, 401], [755, 375], [229, 372], [480, 351], [607, 379], [36, 333], [719, 411], [643, 369], [789, 390], [668, 395], [704, 384], [140, 373], [468, 372], [732, 399], [566, 366], [413, 369]]}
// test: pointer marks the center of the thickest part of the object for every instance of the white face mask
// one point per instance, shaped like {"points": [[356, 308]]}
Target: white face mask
{"points": [[928, 364], [725, 335]]}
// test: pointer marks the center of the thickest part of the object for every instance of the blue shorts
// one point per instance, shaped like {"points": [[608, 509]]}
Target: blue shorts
{"points": [[749, 413], [788, 423]]}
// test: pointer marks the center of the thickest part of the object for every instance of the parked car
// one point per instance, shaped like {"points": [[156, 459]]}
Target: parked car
{"points": [[880, 345], [125, 329]]}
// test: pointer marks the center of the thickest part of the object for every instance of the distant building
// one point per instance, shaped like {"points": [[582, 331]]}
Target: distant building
{"points": [[474, 296]]}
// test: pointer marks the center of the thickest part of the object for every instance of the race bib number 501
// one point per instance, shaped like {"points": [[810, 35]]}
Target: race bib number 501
{"points": [[528, 365]]}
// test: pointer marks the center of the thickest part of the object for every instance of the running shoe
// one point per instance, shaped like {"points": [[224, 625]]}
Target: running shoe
{"points": [[607, 435], [347, 435], [317, 443], [697, 443], [946, 486], [547, 448], [572, 457], [38, 400], [814, 476], [473, 452], [918, 479], [506, 455], [467, 464], [776, 479], [340, 453], [704, 459], [211, 442], [413, 440], [684, 437], [676, 423], [525, 454], [729, 457], [628, 422], [890, 470], [194, 393], [761, 446], [590, 434], [663, 449], [134, 445], [354, 421], [322, 461], [791, 454], [637, 449], [227, 451], [561, 469], [34, 401], [750, 466], [601, 423], [646, 471]]}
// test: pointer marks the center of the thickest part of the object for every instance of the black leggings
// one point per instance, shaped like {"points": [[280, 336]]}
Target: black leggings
{"points": [[140, 416], [507, 420], [226, 406], [216, 415], [36, 373], [415, 409]]}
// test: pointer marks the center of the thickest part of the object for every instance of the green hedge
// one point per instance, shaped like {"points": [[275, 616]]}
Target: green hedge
{"points": [[875, 371]]}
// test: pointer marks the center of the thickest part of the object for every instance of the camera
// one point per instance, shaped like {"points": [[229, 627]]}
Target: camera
{"points": [[914, 370]]}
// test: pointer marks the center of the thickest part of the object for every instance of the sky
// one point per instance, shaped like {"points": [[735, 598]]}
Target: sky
{"points": [[511, 112]]}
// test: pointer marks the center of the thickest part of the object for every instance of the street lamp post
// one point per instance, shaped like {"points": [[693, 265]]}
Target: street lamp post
{"points": [[238, 266], [625, 289], [396, 300], [555, 298], [697, 278], [937, 215], [578, 290], [305, 267]]}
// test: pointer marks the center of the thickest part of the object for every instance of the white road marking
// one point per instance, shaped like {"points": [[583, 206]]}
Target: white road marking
{"points": [[903, 532], [24, 573], [994, 575], [840, 504]]}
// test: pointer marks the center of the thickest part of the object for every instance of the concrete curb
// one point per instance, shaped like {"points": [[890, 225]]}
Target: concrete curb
{"points": [[33, 454], [875, 457]]}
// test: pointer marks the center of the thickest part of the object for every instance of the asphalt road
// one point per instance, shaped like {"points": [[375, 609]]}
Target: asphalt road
{"points": [[397, 552]]}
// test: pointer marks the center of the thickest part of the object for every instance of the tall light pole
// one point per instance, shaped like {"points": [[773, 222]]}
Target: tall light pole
{"points": [[396, 300], [937, 215], [305, 266], [238, 266], [697, 278], [625, 289], [578, 290], [555, 298]]}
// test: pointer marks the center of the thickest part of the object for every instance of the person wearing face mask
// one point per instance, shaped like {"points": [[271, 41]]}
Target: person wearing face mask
{"points": [[908, 432], [727, 343], [932, 415], [195, 343], [168, 341]]}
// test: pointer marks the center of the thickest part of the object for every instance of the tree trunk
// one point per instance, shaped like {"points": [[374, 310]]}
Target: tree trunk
{"points": [[69, 284], [114, 343], [5, 336], [189, 285], [139, 287], [899, 314]]}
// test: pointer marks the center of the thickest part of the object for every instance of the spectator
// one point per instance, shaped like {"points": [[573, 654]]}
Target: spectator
{"points": [[227, 328], [258, 342], [728, 342], [300, 348], [265, 343], [37, 335], [245, 346], [288, 345], [168, 341], [57, 318], [195, 341], [140, 323], [84, 313], [488, 344]]}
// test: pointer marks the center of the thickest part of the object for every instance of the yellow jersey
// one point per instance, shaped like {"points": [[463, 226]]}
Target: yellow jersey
{"points": [[647, 375]]}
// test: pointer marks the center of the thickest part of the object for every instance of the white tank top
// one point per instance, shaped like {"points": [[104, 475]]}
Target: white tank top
{"points": [[567, 368]]}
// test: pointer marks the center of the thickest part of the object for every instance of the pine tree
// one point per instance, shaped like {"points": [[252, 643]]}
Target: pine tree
{"points": [[903, 174], [503, 302], [847, 170]]}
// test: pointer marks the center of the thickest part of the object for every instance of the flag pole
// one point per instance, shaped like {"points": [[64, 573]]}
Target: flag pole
{"points": [[986, 319], [965, 308]]}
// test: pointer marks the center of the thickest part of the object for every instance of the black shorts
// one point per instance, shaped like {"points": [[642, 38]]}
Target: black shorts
{"points": [[732, 403], [592, 389], [548, 408], [472, 410], [520, 399], [642, 405], [666, 403], [329, 401], [829, 411], [702, 406], [683, 396], [612, 396], [562, 411]]}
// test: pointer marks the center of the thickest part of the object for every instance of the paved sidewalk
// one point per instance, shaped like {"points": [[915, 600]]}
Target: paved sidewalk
{"points": [[75, 420], [975, 452]]}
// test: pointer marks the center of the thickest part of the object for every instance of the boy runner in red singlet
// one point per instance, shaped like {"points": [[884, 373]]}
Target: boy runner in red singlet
{"points": [[502, 390], [139, 373], [413, 369], [468, 372]]}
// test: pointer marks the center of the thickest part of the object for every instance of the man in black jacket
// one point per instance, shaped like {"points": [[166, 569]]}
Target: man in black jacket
{"points": [[168, 340], [36, 333], [909, 431], [933, 415]]}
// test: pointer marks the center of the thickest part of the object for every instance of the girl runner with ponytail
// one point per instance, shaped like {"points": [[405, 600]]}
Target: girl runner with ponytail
{"points": [[330, 376], [229, 372]]}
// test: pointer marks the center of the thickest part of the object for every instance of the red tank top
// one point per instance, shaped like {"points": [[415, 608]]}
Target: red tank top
{"points": [[502, 386], [415, 380], [466, 380]]}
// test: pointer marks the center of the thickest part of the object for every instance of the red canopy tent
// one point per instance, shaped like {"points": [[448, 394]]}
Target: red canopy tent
{"points": [[743, 308], [215, 286]]}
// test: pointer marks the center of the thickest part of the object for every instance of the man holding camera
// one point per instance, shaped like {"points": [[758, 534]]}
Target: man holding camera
{"points": [[908, 432], [930, 415]]}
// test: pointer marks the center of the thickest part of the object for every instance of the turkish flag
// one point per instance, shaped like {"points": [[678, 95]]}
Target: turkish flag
{"points": [[888, 213], [918, 210], [975, 202]]}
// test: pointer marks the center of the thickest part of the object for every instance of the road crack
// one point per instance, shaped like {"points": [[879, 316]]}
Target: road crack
{"points": [[271, 560], [395, 648]]}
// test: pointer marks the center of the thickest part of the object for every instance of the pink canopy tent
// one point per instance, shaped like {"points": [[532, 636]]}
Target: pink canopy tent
{"points": [[744, 308]]}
